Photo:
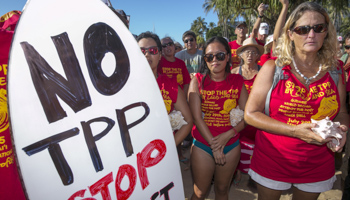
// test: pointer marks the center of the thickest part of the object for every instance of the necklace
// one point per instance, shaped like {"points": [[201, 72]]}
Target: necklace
{"points": [[308, 80]]}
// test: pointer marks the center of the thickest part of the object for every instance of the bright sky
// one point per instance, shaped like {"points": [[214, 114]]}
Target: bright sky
{"points": [[167, 18]]}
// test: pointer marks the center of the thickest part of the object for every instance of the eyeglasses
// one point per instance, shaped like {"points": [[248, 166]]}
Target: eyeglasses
{"points": [[347, 46], [151, 50], [302, 30], [168, 44], [253, 53], [188, 40], [176, 48], [219, 56]]}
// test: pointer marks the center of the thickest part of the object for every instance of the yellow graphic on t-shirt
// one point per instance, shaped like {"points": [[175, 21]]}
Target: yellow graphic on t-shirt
{"points": [[179, 79], [328, 107], [228, 106], [4, 123], [168, 105]]}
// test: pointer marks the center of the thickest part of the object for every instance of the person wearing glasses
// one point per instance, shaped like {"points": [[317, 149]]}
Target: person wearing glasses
{"points": [[213, 93], [249, 54], [178, 47], [241, 31], [174, 68], [191, 55], [287, 152], [173, 96]]}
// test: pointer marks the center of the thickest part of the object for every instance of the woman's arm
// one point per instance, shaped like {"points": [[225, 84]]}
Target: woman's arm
{"points": [[182, 106], [280, 22], [256, 103], [342, 117]]}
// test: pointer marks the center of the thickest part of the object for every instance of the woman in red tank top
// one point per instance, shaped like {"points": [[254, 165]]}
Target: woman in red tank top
{"points": [[212, 94], [287, 153]]}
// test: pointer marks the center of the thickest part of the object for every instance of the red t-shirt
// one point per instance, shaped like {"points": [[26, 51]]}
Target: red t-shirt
{"points": [[290, 159], [235, 58], [218, 98], [168, 88], [10, 185], [176, 69]]}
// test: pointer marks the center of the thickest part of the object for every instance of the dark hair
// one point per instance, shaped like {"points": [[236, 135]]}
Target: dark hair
{"points": [[347, 36], [187, 33], [152, 36], [204, 67]]}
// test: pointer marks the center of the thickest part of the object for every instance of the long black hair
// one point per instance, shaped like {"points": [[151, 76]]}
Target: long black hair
{"points": [[204, 67]]}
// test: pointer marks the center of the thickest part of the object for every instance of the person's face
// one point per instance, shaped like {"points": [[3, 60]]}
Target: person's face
{"points": [[311, 41], [218, 62], [347, 46], [250, 55], [178, 48], [148, 44], [262, 37], [190, 42], [241, 31], [168, 47]]}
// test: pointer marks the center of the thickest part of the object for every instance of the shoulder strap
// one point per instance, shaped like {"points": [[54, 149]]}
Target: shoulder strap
{"points": [[335, 74], [276, 78], [240, 70]]}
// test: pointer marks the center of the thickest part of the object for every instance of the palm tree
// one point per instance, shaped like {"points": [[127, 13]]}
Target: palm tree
{"points": [[199, 26]]}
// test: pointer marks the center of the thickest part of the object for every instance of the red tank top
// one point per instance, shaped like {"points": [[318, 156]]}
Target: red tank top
{"points": [[289, 159], [218, 98], [169, 88]]}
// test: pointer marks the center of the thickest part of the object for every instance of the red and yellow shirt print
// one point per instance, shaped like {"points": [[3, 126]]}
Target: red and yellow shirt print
{"points": [[218, 98], [168, 88], [10, 186], [235, 59], [294, 104]]}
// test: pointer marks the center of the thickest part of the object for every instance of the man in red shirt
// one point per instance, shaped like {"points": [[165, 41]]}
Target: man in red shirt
{"points": [[241, 31], [173, 67]]}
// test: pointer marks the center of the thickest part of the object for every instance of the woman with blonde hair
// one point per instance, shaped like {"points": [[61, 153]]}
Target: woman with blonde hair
{"points": [[304, 84]]}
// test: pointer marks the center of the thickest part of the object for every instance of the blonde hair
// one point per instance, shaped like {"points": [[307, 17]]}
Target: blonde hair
{"points": [[285, 48]]}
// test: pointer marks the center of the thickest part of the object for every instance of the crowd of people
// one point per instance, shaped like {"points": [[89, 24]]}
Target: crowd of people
{"points": [[280, 81]]}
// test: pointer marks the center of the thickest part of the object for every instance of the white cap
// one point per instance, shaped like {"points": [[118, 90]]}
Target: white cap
{"points": [[269, 39], [264, 29]]}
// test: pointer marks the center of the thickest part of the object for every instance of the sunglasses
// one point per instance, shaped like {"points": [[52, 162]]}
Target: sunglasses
{"points": [[347, 46], [151, 50], [219, 56], [302, 30], [168, 44], [189, 40]]}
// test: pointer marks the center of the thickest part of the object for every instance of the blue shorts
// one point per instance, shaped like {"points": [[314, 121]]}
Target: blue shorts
{"points": [[208, 149]]}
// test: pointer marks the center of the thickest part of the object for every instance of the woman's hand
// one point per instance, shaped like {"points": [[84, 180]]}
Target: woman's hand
{"points": [[332, 146], [220, 141], [219, 157], [303, 132]]}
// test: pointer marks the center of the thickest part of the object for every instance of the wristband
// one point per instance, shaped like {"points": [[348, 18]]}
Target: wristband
{"points": [[260, 16]]}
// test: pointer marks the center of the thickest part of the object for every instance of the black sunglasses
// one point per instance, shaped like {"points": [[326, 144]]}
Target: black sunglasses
{"points": [[188, 40], [167, 44], [302, 30], [347, 46], [219, 56]]}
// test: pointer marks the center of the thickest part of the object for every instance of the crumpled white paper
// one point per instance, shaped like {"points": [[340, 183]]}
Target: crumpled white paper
{"points": [[236, 115], [176, 120], [326, 128]]}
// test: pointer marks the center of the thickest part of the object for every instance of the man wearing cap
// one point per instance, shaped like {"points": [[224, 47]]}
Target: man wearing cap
{"points": [[241, 31], [263, 33]]}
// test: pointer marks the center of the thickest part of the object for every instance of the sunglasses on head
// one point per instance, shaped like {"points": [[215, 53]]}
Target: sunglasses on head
{"points": [[151, 50], [168, 44], [210, 57], [302, 30], [189, 40], [347, 46]]}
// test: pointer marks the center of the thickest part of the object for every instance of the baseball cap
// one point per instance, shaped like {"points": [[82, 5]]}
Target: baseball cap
{"points": [[269, 39], [264, 29], [339, 38], [240, 23]]}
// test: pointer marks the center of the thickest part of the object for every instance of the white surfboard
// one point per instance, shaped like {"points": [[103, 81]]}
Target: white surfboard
{"points": [[86, 114]]}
